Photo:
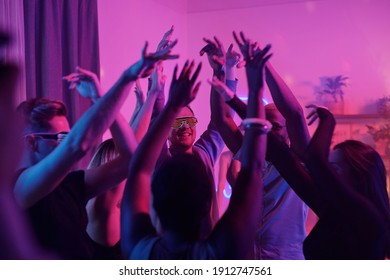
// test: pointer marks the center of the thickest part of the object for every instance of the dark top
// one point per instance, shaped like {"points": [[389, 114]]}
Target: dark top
{"points": [[60, 219]]}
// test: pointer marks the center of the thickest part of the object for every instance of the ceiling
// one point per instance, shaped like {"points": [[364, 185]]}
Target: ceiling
{"points": [[196, 6], [199, 6]]}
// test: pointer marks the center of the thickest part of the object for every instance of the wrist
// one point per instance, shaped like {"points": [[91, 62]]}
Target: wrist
{"points": [[219, 73], [230, 73], [262, 125]]}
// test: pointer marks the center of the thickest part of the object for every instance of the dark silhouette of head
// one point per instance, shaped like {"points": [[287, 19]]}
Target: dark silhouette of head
{"points": [[367, 173], [182, 194]]}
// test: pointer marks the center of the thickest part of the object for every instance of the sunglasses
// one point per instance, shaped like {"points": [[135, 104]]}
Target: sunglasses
{"points": [[179, 122], [59, 137]]}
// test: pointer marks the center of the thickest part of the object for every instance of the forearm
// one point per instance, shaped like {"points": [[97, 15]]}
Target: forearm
{"points": [[290, 109], [142, 121], [238, 106], [151, 145], [100, 116], [281, 94], [318, 149], [123, 137]]}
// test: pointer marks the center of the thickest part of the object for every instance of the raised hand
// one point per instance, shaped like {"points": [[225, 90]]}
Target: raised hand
{"points": [[145, 65], [139, 94], [221, 88], [255, 59], [183, 89], [317, 112], [86, 83], [233, 58], [215, 53], [166, 40], [157, 80]]}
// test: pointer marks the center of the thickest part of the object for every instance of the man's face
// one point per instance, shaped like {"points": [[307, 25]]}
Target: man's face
{"points": [[181, 139], [44, 145], [278, 122]]}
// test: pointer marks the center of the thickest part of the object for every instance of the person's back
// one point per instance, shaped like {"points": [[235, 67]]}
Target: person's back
{"points": [[281, 230]]}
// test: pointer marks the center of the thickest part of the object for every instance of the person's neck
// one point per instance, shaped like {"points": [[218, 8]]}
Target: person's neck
{"points": [[175, 241], [176, 150]]}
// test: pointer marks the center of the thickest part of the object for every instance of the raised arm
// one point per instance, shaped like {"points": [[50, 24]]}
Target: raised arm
{"points": [[40, 179], [140, 100], [99, 179], [220, 113], [290, 109], [142, 121], [135, 219], [233, 235]]}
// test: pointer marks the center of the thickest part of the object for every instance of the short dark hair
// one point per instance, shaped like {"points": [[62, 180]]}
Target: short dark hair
{"points": [[37, 112], [182, 193]]}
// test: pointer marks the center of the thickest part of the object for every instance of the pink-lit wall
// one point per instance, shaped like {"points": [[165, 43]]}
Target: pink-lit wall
{"points": [[125, 25], [310, 39]]}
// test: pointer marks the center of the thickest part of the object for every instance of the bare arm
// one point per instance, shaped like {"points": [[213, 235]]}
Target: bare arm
{"points": [[42, 178], [238, 224], [142, 121], [220, 113], [335, 191], [135, 218], [290, 109]]}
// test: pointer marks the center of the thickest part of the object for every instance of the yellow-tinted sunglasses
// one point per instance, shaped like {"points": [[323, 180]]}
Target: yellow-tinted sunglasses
{"points": [[179, 122]]}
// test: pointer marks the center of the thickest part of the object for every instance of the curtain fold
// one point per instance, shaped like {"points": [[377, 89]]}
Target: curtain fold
{"points": [[11, 22], [60, 35]]}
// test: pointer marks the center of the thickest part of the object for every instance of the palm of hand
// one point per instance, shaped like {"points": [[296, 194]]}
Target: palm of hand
{"points": [[232, 58], [87, 89], [180, 93]]}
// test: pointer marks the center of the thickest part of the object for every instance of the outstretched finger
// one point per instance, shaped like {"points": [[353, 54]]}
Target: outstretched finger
{"points": [[241, 64], [230, 48], [219, 44], [166, 50], [243, 37], [85, 71], [190, 68], [206, 49], [265, 59], [144, 49], [195, 90], [314, 106], [196, 73], [315, 117], [184, 70], [311, 114], [211, 42], [71, 76], [169, 57], [174, 78], [168, 34], [238, 41]]}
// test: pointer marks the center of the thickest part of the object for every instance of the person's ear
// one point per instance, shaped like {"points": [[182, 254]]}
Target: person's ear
{"points": [[31, 142]]}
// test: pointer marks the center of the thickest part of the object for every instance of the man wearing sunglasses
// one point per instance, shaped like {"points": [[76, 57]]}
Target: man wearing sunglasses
{"points": [[52, 194]]}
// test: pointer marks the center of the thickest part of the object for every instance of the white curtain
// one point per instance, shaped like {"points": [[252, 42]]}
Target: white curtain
{"points": [[12, 22]]}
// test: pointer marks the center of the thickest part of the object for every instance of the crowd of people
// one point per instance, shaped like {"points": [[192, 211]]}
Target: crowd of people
{"points": [[149, 192]]}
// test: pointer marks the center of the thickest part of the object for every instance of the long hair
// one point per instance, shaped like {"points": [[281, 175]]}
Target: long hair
{"points": [[105, 152], [369, 175], [37, 112]]}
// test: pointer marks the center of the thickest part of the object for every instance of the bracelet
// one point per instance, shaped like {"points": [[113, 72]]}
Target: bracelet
{"points": [[230, 101], [262, 124]]}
